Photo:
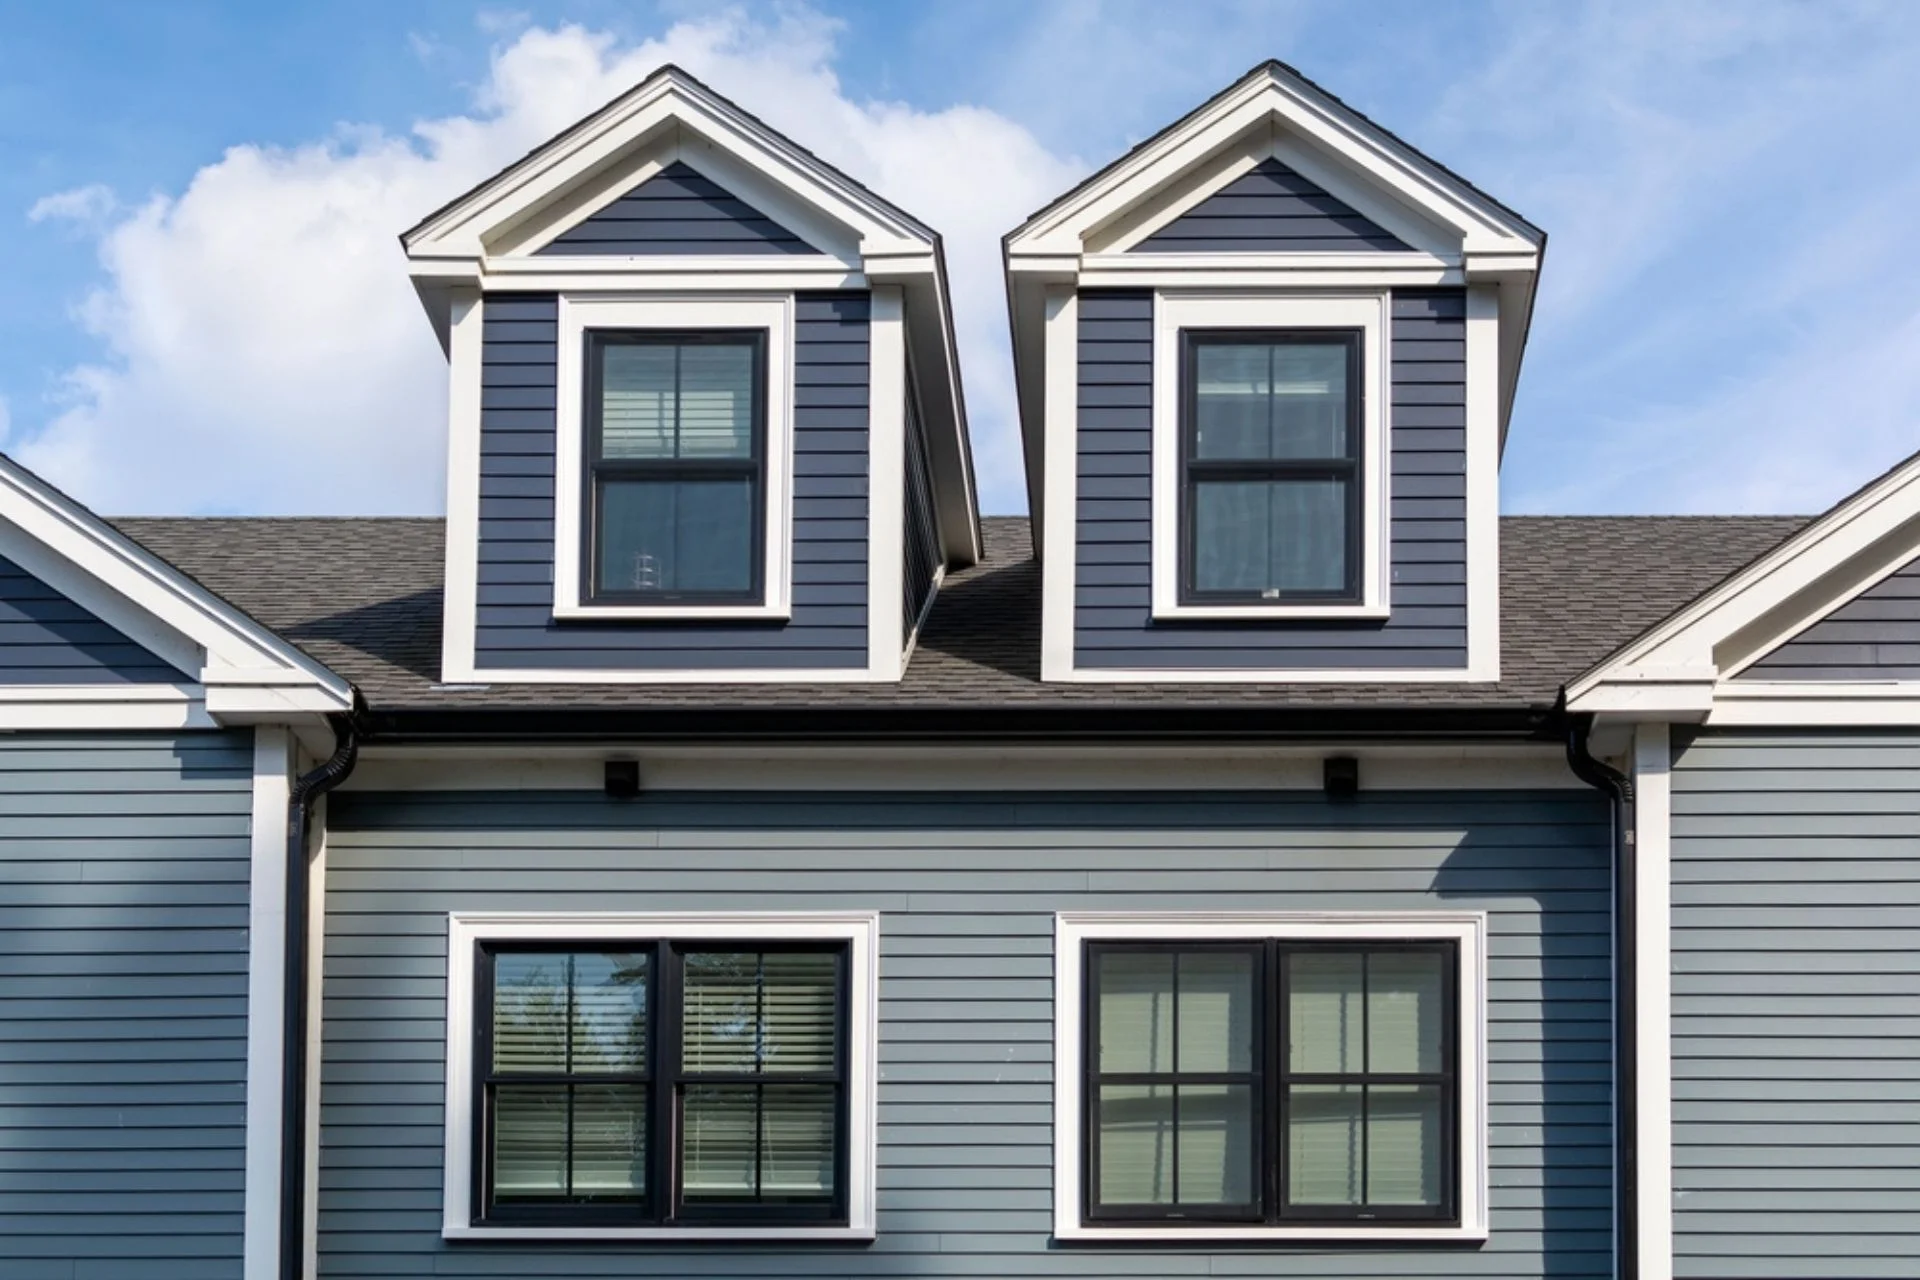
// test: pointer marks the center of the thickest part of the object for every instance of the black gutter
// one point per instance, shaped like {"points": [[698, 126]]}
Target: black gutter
{"points": [[306, 789], [1618, 787]]}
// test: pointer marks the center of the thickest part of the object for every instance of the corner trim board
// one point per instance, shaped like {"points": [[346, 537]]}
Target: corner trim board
{"points": [[1653, 997], [273, 750]]}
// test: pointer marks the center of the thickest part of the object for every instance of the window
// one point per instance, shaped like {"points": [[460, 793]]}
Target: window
{"points": [[1270, 465], [1270, 484], [676, 466], [673, 1083], [1273, 1076], [673, 458]]}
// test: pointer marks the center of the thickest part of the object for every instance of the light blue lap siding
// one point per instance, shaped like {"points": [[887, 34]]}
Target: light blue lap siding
{"points": [[515, 625], [1874, 636], [678, 211], [45, 638], [967, 884], [1272, 209], [1427, 591], [1796, 1006], [123, 1005]]}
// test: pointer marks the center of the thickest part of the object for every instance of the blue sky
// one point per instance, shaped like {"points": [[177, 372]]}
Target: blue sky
{"points": [[206, 311]]}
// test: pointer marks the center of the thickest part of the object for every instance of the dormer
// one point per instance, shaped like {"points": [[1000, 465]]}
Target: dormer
{"points": [[705, 417], [1265, 363]]}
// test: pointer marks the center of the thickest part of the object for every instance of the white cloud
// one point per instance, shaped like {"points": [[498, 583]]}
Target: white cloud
{"points": [[262, 350], [89, 206]]}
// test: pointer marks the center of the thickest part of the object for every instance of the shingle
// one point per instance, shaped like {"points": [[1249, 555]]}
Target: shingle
{"points": [[363, 596]]}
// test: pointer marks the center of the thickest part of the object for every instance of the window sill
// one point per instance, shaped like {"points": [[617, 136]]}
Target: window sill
{"points": [[847, 1235], [672, 612], [1279, 611], [1277, 1235]]}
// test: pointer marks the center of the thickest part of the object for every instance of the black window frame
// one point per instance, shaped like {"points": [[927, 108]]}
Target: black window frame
{"points": [[1271, 1077], [1350, 469], [597, 470], [663, 1204]]}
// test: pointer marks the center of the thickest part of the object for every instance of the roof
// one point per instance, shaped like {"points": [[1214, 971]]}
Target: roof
{"points": [[363, 596]]}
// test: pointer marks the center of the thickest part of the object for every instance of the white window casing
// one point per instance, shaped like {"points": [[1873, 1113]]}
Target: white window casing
{"points": [[1178, 310], [859, 930], [580, 315], [1073, 929]]}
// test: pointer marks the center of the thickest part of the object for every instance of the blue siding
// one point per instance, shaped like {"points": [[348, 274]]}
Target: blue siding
{"points": [[123, 1003], [1271, 210], [45, 638], [1427, 594], [1796, 1006], [678, 210], [924, 557], [828, 629], [1874, 636], [967, 884]]}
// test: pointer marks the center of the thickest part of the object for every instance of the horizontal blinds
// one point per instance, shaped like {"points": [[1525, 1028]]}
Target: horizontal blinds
{"points": [[753, 1012], [677, 399]]}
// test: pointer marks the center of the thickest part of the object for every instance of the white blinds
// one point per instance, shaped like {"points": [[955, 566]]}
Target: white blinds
{"points": [[759, 1012], [677, 400]]}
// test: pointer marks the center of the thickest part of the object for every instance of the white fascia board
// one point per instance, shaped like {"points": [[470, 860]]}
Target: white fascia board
{"points": [[1780, 594]]}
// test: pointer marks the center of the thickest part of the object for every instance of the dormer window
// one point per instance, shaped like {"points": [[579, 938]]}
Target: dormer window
{"points": [[1270, 456], [676, 466]]}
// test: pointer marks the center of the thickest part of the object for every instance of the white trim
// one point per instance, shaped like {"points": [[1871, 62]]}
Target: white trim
{"points": [[1483, 481], [1060, 344], [465, 353], [583, 314], [859, 929], [1073, 929], [31, 707], [886, 483], [1653, 997], [956, 767], [266, 937], [679, 274], [55, 566], [1270, 675], [1176, 312], [316, 1034], [626, 675]]}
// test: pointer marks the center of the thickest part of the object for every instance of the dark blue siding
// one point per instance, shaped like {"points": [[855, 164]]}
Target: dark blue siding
{"points": [[967, 884], [124, 863], [1113, 606], [515, 625], [678, 211], [1874, 636], [923, 556], [46, 638], [1271, 210]]}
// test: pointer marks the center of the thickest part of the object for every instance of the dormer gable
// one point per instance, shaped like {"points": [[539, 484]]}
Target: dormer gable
{"points": [[705, 422], [1265, 362]]}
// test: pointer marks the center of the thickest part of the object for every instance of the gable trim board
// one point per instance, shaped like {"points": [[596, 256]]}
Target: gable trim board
{"points": [[231, 669], [1700, 664]]}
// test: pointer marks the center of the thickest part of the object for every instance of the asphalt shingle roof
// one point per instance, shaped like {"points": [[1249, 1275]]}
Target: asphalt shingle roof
{"points": [[363, 597]]}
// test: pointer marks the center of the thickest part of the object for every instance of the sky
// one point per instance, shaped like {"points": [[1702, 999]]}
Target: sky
{"points": [[204, 308]]}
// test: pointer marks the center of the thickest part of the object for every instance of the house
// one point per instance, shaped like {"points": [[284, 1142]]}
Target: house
{"points": [[715, 850]]}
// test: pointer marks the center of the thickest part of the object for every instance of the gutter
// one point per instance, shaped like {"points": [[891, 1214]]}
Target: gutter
{"points": [[306, 789], [1618, 788]]}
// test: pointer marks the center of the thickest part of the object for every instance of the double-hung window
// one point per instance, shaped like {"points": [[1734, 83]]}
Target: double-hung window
{"points": [[1319, 1080], [663, 1084], [676, 467]]}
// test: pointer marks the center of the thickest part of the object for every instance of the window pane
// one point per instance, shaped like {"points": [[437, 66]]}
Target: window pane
{"points": [[529, 1141], [609, 1012], [1136, 1144], [802, 1014], [1136, 1011], [797, 1141], [720, 1011], [609, 1141], [1216, 1011], [1271, 400], [718, 1123], [1404, 1144], [1269, 537], [1216, 1144], [529, 1012], [716, 400], [1324, 1132], [1405, 1006], [1323, 1013], [677, 535], [636, 400]]}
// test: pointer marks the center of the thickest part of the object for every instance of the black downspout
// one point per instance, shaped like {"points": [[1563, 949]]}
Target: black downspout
{"points": [[306, 789], [1618, 787]]}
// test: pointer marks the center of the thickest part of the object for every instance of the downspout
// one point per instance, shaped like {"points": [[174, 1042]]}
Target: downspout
{"points": [[1618, 787], [306, 789]]}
